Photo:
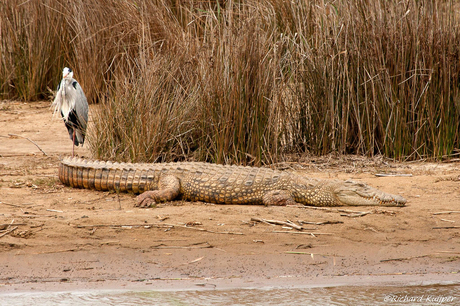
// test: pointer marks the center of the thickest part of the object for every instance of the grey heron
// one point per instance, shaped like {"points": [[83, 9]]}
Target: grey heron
{"points": [[71, 102]]}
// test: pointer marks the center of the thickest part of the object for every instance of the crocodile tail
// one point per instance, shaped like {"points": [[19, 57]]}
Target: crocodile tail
{"points": [[103, 176], [76, 173]]}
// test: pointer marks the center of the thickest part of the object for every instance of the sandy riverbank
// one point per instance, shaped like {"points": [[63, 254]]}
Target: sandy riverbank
{"points": [[71, 238]]}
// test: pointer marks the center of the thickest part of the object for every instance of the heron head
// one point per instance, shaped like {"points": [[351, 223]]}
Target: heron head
{"points": [[67, 73]]}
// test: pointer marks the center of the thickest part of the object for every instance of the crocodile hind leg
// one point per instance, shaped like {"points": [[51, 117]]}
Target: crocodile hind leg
{"points": [[278, 197], [168, 190]]}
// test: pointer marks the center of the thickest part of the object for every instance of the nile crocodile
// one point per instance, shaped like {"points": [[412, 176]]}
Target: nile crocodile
{"points": [[196, 181]]}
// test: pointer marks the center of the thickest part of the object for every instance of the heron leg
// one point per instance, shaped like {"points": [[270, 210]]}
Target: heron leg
{"points": [[73, 142]]}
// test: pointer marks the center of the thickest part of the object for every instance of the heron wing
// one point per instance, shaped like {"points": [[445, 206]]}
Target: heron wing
{"points": [[80, 104]]}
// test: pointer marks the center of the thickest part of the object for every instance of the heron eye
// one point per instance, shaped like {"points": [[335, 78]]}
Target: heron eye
{"points": [[74, 84]]}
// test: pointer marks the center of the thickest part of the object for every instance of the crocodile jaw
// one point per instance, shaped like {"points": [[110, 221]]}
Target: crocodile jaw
{"points": [[355, 193]]}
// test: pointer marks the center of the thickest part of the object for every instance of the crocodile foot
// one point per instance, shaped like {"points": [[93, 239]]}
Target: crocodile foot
{"points": [[145, 200]]}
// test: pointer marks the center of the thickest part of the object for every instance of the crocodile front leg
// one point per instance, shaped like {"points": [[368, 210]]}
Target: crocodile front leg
{"points": [[168, 190]]}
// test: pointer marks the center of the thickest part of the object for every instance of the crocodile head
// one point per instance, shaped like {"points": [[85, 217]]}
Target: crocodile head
{"points": [[342, 193], [355, 193]]}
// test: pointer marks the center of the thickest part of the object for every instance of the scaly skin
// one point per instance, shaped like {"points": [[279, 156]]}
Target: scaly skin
{"points": [[218, 184]]}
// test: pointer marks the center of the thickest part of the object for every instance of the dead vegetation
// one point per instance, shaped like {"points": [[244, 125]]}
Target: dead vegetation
{"points": [[245, 82]]}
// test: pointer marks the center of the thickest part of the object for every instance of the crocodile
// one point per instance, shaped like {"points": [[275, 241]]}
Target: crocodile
{"points": [[219, 184]]}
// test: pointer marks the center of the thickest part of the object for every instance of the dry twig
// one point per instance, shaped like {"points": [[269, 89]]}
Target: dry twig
{"points": [[145, 225], [445, 220], [307, 253], [201, 245], [404, 258], [6, 225], [353, 214], [16, 205], [307, 233], [54, 210], [393, 174], [58, 251], [9, 204], [14, 135], [319, 223], [286, 223], [195, 260], [9, 231], [181, 247], [447, 212], [316, 208], [205, 230], [148, 225]]}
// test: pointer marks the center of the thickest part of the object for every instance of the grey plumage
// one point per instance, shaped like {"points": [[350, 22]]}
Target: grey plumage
{"points": [[71, 102]]}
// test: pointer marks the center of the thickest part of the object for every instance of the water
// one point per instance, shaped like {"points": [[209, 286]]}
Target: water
{"points": [[345, 295]]}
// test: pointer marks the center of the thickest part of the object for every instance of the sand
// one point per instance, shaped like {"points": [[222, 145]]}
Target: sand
{"points": [[54, 237]]}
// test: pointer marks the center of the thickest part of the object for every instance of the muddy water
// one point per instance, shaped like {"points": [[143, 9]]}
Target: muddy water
{"points": [[345, 295]]}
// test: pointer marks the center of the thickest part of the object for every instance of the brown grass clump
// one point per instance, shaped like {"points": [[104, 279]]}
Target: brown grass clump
{"points": [[246, 82]]}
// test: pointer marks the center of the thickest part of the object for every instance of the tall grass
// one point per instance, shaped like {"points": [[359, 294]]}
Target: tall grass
{"points": [[32, 49], [246, 82]]}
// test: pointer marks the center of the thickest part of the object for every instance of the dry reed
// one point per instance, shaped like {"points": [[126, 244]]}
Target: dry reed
{"points": [[246, 82]]}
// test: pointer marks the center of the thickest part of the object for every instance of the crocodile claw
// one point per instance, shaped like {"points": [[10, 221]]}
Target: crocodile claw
{"points": [[144, 200]]}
